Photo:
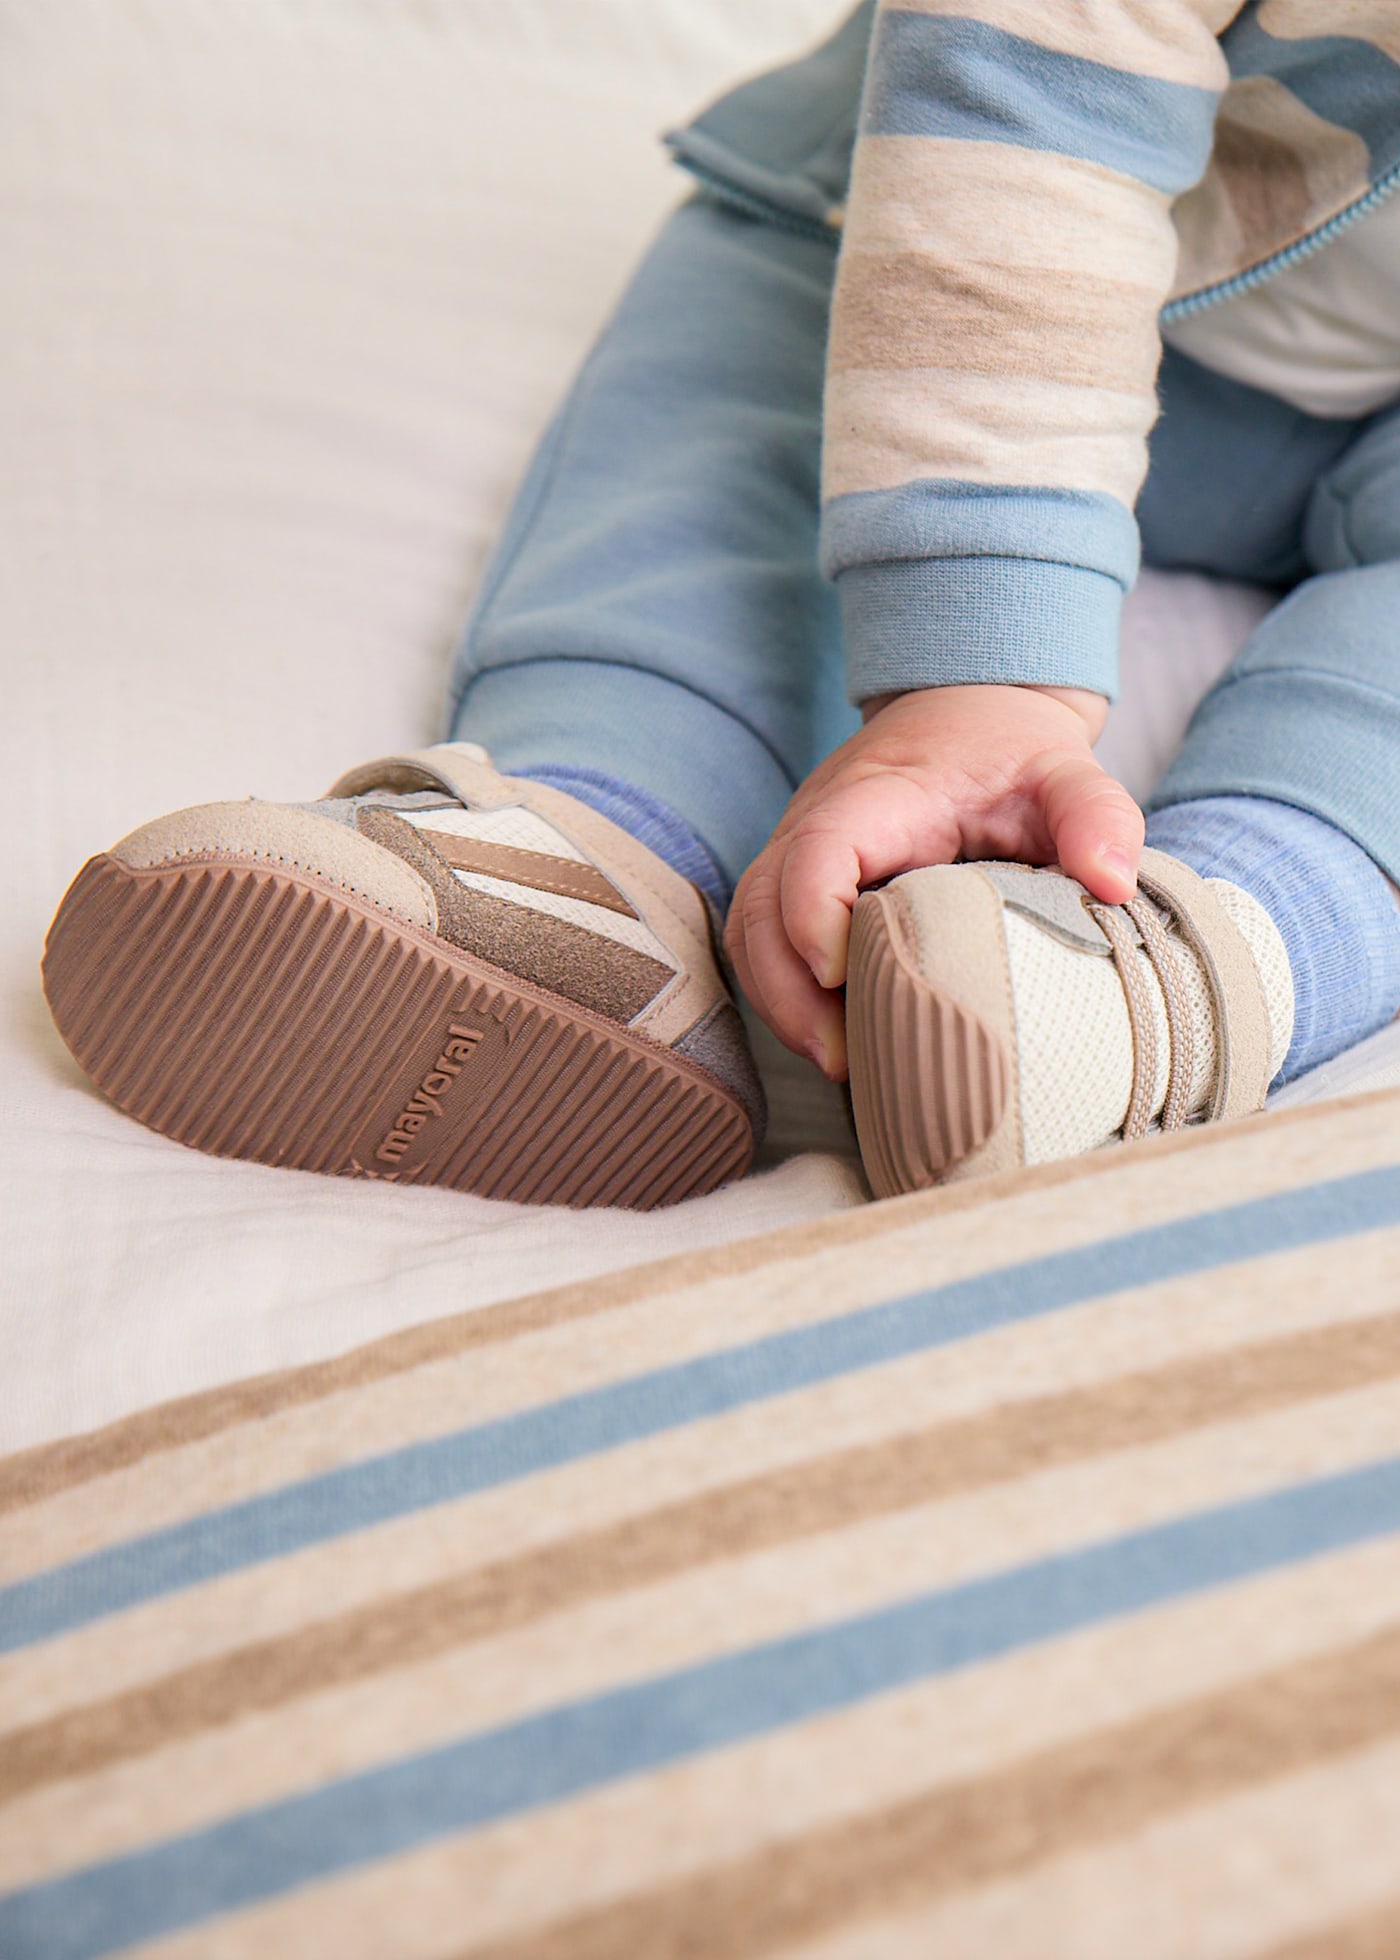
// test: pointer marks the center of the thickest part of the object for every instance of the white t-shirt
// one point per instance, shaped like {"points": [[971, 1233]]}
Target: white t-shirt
{"points": [[1323, 334]]}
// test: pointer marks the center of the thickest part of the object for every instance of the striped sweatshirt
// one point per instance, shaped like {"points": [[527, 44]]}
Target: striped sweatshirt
{"points": [[1026, 190]]}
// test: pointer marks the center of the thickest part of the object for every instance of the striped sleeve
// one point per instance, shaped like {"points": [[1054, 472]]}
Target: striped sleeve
{"points": [[990, 380]]}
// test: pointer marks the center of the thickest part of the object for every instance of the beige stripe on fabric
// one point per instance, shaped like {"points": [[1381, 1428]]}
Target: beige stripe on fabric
{"points": [[740, 1603], [997, 204], [903, 426], [1174, 43], [1371, 1936], [437, 1399], [1215, 1884], [1162, 1178], [1111, 1338], [916, 312], [573, 1353], [831, 1775], [1086, 1792], [1114, 1337], [1375, 21], [832, 1493]]}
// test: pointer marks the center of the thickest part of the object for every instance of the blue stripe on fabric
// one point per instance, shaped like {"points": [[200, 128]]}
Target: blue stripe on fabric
{"points": [[945, 517], [488, 1455], [1348, 82], [550, 1757], [931, 75]]}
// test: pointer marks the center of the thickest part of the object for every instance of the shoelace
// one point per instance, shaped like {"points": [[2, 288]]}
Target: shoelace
{"points": [[1163, 958]]}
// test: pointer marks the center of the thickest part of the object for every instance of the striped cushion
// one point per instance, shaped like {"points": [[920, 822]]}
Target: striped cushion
{"points": [[1013, 1569]]}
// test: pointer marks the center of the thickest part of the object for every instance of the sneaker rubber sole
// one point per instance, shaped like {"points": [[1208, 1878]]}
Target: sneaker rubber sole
{"points": [[253, 1013], [930, 1082]]}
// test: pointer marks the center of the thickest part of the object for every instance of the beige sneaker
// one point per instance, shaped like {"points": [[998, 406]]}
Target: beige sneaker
{"points": [[437, 975], [998, 1016]]}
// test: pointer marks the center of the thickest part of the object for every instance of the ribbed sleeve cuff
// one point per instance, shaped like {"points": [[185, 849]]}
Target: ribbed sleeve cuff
{"points": [[944, 622]]}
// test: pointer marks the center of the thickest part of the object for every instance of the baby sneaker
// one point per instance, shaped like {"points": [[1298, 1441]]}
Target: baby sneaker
{"points": [[436, 975], [999, 1016]]}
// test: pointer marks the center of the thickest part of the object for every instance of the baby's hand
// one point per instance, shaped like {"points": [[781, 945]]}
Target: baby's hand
{"points": [[935, 775]]}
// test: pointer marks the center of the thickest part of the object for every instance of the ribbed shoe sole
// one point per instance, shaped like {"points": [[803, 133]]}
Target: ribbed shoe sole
{"points": [[929, 1081], [250, 1013]]}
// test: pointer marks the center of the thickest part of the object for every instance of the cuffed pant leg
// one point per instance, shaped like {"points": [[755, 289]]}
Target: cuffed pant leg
{"points": [[654, 610], [1309, 713]]}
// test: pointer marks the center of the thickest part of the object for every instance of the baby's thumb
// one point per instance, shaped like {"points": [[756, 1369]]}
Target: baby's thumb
{"points": [[1096, 827]]}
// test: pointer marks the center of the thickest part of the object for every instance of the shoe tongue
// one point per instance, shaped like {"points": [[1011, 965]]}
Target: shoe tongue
{"points": [[341, 809], [417, 799]]}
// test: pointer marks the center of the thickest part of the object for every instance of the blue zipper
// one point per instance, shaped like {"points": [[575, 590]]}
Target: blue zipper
{"points": [[1303, 248]]}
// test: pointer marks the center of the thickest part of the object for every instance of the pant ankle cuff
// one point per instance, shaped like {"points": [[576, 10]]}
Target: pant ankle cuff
{"points": [[636, 726]]}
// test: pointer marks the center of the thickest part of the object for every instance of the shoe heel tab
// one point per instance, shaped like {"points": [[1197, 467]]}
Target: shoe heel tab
{"points": [[463, 769]]}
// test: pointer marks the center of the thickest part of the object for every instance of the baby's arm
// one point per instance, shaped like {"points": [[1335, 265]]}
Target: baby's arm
{"points": [[1008, 242], [934, 775]]}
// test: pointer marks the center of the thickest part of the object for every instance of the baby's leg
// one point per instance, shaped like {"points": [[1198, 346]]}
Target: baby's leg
{"points": [[654, 636], [440, 975], [1267, 936], [1288, 784]]}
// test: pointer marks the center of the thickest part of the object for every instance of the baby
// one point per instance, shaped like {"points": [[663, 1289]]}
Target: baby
{"points": [[490, 964]]}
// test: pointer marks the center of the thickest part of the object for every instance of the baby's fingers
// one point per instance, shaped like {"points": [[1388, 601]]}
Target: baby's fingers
{"points": [[1096, 827], [820, 880], [774, 976], [862, 833]]}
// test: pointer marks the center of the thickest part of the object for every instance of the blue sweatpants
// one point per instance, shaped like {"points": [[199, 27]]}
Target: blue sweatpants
{"points": [[655, 612]]}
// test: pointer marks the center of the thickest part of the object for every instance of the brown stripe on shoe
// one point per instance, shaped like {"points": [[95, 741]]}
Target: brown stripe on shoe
{"points": [[584, 967], [907, 1856], [833, 1492], [541, 872]]}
